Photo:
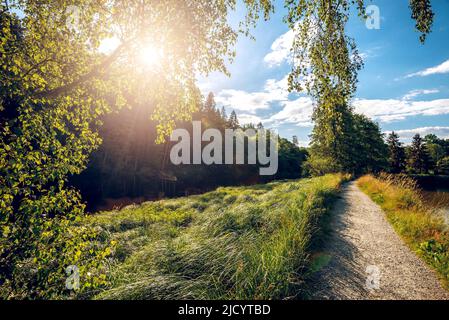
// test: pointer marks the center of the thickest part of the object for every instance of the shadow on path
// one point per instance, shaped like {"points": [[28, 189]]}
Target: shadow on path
{"points": [[334, 257]]}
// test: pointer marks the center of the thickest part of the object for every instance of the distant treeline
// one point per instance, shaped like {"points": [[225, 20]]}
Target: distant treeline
{"points": [[428, 155], [129, 166], [344, 141]]}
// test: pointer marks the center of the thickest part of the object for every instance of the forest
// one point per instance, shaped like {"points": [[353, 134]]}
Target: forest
{"points": [[130, 167]]}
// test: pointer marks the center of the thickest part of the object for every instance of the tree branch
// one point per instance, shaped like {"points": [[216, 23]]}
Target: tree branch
{"points": [[95, 72]]}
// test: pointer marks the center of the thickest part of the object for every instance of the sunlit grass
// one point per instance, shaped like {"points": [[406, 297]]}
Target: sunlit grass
{"points": [[232, 243]]}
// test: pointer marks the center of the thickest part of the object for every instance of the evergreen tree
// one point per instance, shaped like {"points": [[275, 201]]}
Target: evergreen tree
{"points": [[295, 140], [397, 159], [443, 166], [418, 159], [233, 122], [209, 114], [223, 114], [210, 105]]}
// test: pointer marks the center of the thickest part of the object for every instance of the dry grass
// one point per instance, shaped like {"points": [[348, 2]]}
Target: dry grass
{"points": [[436, 199]]}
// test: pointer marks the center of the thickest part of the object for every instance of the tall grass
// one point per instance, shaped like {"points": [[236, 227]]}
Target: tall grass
{"points": [[232, 243], [436, 199], [414, 219]]}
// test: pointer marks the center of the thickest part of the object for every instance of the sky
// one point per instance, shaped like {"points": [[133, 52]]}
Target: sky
{"points": [[403, 86]]}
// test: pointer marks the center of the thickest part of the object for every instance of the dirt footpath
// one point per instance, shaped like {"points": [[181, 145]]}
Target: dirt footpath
{"points": [[367, 259]]}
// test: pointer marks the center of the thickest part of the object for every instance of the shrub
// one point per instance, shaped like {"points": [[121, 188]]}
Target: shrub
{"points": [[40, 239], [318, 166], [40, 270]]}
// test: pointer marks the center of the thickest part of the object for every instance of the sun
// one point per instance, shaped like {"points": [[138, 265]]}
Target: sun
{"points": [[147, 54], [150, 55]]}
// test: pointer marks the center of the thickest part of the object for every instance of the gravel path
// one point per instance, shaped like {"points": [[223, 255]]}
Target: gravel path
{"points": [[367, 259]]}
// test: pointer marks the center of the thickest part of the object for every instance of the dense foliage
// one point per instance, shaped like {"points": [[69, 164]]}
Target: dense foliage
{"points": [[418, 160], [396, 152], [428, 155], [130, 167], [349, 143]]}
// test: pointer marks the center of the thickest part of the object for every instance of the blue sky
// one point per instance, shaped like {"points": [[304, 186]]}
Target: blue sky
{"points": [[403, 86]]}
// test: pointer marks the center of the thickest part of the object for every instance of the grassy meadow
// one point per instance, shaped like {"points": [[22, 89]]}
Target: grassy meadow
{"points": [[233, 243], [414, 218]]}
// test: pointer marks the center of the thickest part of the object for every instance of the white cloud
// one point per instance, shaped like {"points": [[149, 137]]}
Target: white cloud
{"points": [[297, 112], [414, 93], [278, 89], [442, 68], [250, 102], [395, 110], [303, 143], [244, 101], [407, 135], [372, 52], [280, 49], [249, 118]]}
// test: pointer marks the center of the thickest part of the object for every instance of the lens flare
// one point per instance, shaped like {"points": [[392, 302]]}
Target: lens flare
{"points": [[150, 55]]}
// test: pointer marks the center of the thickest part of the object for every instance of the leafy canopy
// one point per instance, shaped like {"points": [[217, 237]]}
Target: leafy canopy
{"points": [[54, 87]]}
